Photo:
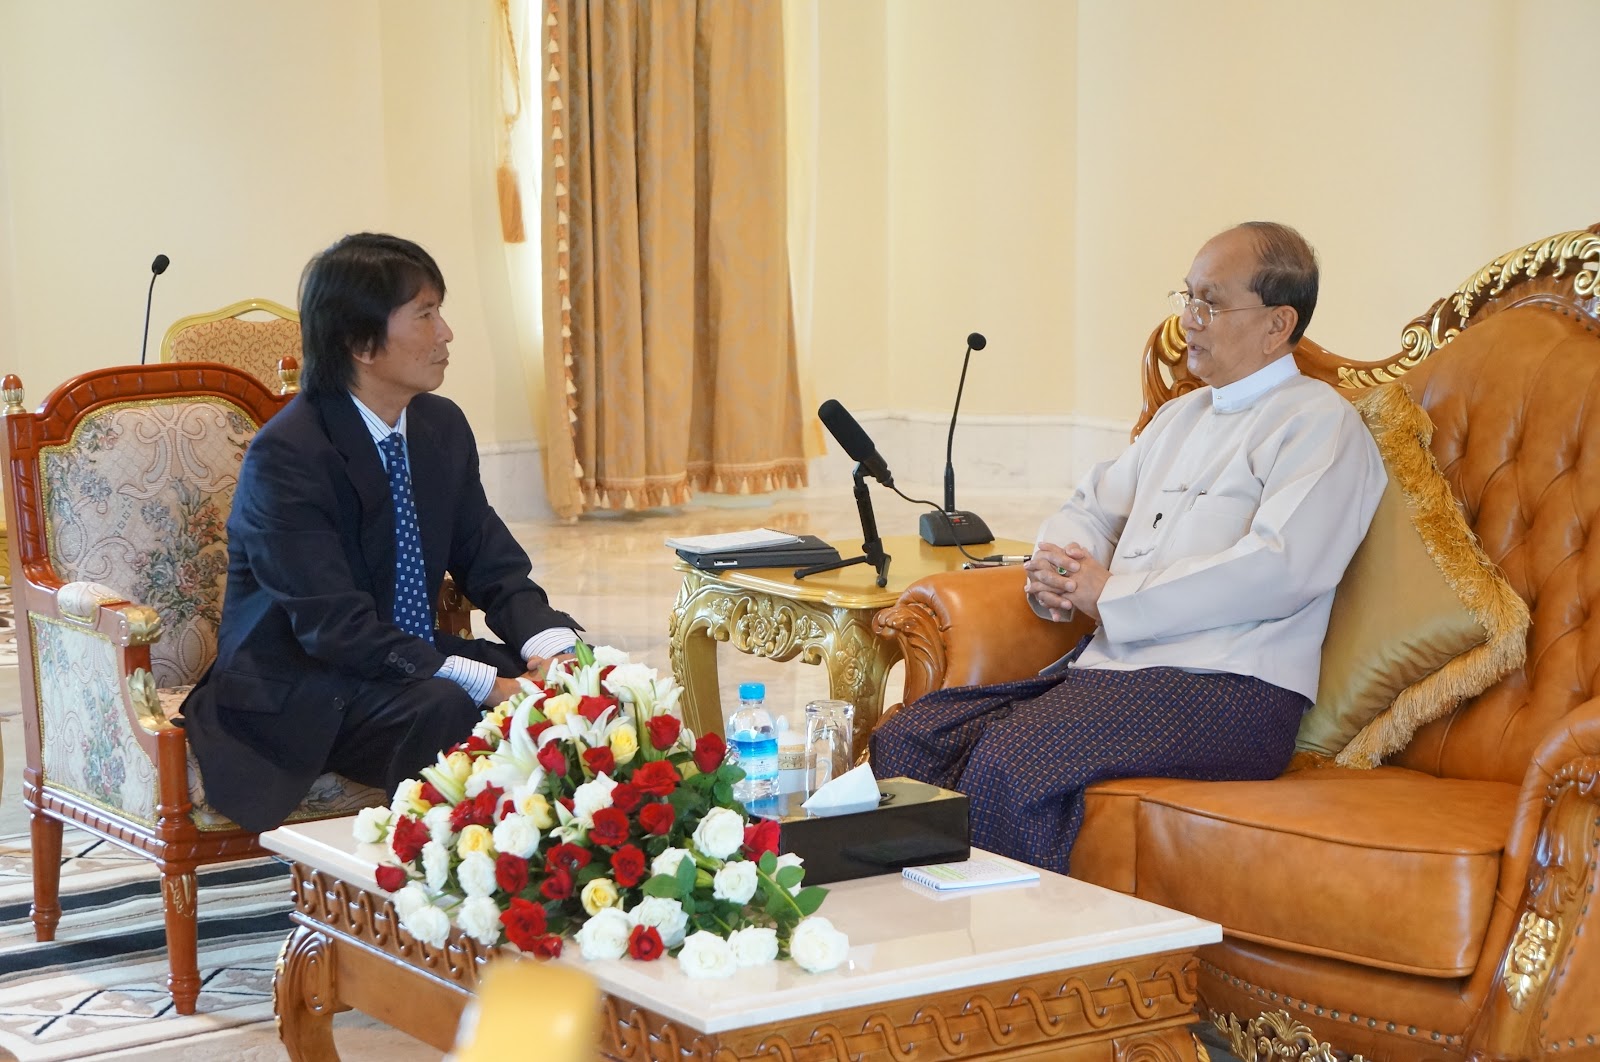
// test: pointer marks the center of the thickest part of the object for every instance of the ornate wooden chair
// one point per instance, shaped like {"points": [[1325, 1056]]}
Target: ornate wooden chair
{"points": [[118, 493], [256, 345]]}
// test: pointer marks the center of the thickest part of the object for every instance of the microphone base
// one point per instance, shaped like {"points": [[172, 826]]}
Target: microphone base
{"points": [[954, 528]]}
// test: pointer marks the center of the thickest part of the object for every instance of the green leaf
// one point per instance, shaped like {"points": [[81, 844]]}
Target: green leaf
{"points": [[599, 870], [810, 899], [768, 864], [685, 876], [788, 877], [722, 793], [663, 885]]}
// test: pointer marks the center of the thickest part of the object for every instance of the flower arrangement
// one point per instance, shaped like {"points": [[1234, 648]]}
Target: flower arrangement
{"points": [[583, 808]]}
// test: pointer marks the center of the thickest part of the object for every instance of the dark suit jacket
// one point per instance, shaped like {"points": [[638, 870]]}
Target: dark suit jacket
{"points": [[310, 594]]}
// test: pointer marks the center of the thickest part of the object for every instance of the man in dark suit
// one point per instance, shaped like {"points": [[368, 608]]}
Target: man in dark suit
{"points": [[352, 504]]}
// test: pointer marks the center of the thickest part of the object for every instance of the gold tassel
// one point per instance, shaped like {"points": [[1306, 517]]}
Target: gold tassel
{"points": [[511, 229]]}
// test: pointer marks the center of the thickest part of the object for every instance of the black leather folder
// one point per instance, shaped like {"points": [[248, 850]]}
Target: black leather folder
{"points": [[808, 551]]}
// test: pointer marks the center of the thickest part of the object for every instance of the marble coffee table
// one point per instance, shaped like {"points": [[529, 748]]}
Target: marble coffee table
{"points": [[1059, 969]]}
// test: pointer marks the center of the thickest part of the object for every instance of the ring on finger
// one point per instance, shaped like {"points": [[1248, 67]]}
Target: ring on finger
{"points": [[1060, 570]]}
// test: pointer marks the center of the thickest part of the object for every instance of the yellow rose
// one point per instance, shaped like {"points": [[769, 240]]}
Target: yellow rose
{"points": [[481, 764], [475, 838], [537, 807], [598, 895], [408, 798], [624, 744], [459, 765], [557, 708]]}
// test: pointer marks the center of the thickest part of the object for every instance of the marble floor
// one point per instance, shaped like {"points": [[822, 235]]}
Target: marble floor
{"points": [[615, 575]]}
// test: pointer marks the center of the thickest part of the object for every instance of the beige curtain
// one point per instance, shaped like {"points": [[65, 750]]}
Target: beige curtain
{"points": [[669, 340]]}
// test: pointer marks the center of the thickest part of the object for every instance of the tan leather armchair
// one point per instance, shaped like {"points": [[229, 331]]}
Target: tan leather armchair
{"points": [[1441, 905]]}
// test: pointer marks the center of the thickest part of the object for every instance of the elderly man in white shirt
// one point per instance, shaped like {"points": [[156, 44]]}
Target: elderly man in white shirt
{"points": [[1208, 551]]}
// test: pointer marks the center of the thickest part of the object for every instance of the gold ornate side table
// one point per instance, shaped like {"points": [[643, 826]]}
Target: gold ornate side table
{"points": [[825, 619]]}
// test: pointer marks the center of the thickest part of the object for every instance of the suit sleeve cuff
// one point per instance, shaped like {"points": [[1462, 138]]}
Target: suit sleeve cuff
{"points": [[549, 643], [473, 676]]}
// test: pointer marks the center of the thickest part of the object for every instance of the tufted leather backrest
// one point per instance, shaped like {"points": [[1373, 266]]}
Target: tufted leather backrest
{"points": [[137, 499], [1515, 402]]}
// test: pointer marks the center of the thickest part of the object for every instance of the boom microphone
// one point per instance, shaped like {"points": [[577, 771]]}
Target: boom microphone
{"points": [[843, 427], [157, 267]]}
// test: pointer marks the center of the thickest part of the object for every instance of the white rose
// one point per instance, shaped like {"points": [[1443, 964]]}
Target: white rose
{"points": [[479, 918], [735, 882], [632, 683], [605, 936], [517, 835], [609, 656], [789, 859], [480, 778], [754, 945], [590, 797], [372, 824], [706, 955], [817, 946], [476, 874], [409, 899], [436, 865], [437, 820], [429, 925], [667, 862], [720, 833], [665, 914], [408, 799]]}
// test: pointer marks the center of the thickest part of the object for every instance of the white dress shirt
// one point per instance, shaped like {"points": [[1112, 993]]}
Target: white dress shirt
{"points": [[1226, 527], [473, 676]]}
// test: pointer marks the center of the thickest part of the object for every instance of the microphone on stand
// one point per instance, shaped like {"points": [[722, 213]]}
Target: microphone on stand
{"points": [[952, 526], [858, 444], [157, 267]]}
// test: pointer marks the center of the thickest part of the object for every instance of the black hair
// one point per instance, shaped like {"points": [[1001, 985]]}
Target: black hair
{"points": [[1286, 271], [347, 293]]}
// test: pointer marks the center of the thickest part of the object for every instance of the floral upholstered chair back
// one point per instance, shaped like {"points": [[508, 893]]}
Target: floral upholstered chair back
{"points": [[137, 500], [255, 345]]}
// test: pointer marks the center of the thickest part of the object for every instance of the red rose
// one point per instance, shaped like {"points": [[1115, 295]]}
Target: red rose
{"points": [[709, 751], [627, 865], [391, 878], [610, 827], [430, 794], [553, 758], [658, 778], [657, 818], [625, 796], [536, 729], [605, 672], [644, 943], [761, 837], [601, 760], [571, 856], [547, 946], [511, 873], [565, 802], [505, 728], [409, 837], [557, 884], [592, 708], [524, 921], [664, 731], [475, 743], [508, 808]]}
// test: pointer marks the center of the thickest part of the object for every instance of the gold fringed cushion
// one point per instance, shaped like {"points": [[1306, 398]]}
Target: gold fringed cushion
{"points": [[1422, 618]]}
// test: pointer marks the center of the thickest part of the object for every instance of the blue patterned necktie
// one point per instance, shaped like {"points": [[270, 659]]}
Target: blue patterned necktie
{"points": [[411, 611]]}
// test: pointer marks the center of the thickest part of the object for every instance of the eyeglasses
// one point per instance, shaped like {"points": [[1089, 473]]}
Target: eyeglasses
{"points": [[1185, 303]]}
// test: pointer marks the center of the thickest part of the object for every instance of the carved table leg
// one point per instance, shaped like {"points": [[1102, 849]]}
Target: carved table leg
{"points": [[304, 997], [183, 958], [693, 655], [46, 876], [858, 663]]}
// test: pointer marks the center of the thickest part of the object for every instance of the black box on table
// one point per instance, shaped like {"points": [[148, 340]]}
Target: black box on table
{"points": [[914, 824]]}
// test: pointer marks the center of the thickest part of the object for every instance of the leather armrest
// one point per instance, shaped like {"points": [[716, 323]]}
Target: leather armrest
{"points": [[971, 627]]}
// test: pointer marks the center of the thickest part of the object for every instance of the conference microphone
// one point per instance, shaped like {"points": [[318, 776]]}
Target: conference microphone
{"points": [[843, 427], [952, 526], [157, 267]]}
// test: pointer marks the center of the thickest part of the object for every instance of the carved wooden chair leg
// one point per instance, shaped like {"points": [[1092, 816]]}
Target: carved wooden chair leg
{"points": [[183, 957], [46, 876]]}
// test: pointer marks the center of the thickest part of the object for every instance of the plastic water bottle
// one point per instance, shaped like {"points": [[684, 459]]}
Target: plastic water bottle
{"points": [[755, 744]]}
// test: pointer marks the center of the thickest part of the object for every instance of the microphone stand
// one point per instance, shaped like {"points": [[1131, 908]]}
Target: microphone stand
{"points": [[952, 526], [871, 545]]}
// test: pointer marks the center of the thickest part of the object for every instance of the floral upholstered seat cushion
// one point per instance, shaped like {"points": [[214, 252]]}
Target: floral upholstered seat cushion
{"points": [[331, 794]]}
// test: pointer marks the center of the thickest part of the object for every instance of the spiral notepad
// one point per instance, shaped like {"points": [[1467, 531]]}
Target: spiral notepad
{"points": [[970, 874]]}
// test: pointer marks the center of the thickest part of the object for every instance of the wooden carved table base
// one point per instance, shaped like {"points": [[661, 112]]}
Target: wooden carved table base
{"points": [[347, 951], [768, 625]]}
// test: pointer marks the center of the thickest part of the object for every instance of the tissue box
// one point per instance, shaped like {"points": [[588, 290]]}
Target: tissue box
{"points": [[917, 824]]}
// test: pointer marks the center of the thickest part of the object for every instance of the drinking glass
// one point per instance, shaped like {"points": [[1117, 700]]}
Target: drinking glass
{"points": [[829, 735]]}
